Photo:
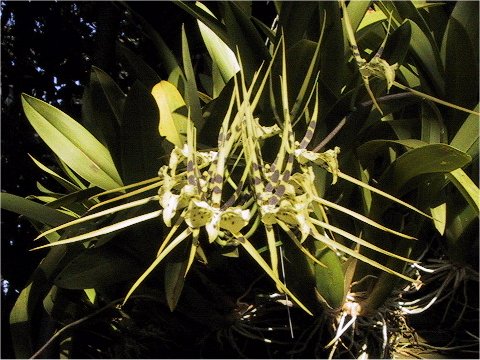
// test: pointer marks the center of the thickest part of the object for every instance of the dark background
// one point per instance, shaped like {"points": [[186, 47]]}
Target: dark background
{"points": [[47, 50]]}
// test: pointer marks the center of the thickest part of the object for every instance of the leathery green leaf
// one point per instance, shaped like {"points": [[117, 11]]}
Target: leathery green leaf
{"points": [[466, 187], [33, 210], [140, 143], [466, 138], [461, 72], [97, 267], [62, 181], [191, 94], [142, 71], [72, 143], [428, 56], [432, 158], [30, 298], [175, 270], [172, 124], [91, 295], [422, 158], [459, 233], [20, 319], [357, 11], [439, 214], [220, 53], [329, 280]]}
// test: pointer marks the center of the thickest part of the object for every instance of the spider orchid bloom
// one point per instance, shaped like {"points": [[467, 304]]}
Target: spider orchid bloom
{"points": [[296, 213], [200, 213], [265, 132], [382, 69], [290, 212], [175, 194], [326, 159]]}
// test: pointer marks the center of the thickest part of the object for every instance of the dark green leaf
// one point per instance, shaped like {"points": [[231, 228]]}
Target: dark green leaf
{"points": [[461, 70], [33, 210], [98, 267], [433, 128], [141, 149], [332, 52], [140, 69], [466, 138], [214, 114], [243, 35], [175, 268], [432, 158], [22, 326], [398, 44], [164, 53], [102, 108], [295, 23], [62, 181]]}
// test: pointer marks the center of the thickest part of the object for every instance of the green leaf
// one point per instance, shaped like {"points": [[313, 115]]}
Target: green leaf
{"points": [[33, 210], [102, 109], [333, 68], [22, 324], [462, 234], [214, 114], [428, 58], [398, 44], [141, 145], [172, 124], [295, 23], [330, 280], [466, 138], [421, 159], [357, 12], [72, 143], [433, 127], [196, 11], [76, 199], [140, 69], [467, 188], [191, 95], [98, 268], [62, 181], [460, 57], [439, 214], [432, 158], [302, 68], [221, 54], [175, 271], [243, 35]]}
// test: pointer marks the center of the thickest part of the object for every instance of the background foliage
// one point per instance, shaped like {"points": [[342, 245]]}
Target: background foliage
{"points": [[399, 152]]}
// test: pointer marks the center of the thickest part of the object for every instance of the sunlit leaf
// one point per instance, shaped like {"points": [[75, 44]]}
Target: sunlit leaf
{"points": [[62, 181], [172, 124], [223, 57], [72, 143]]}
